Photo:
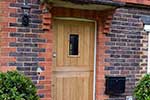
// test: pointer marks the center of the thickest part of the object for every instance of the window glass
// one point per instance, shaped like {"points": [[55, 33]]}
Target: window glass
{"points": [[73, 44]]}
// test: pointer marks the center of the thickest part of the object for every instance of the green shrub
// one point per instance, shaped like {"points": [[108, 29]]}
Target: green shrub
{"points": [[142, 90], [15, 86]]}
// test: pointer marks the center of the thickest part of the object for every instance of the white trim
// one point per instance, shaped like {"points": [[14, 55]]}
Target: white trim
{"points": [[147, 29], [94, 75], [95, 43], [148, 66]]}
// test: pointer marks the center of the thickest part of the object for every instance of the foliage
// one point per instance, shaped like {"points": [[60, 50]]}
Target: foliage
{"points": [[15, 86], [142, 90]]}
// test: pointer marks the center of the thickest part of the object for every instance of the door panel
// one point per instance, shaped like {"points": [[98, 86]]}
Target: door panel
{"points": [[74, 61]]}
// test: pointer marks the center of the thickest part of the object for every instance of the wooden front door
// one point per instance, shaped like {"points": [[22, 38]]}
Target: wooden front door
{"points": [[73, 60]]}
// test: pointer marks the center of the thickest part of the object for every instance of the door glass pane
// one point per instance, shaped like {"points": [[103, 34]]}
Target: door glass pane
{"points": [[73, 44]]}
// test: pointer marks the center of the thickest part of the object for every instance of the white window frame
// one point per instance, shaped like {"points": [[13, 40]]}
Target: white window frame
{"points": [[147, 28]]}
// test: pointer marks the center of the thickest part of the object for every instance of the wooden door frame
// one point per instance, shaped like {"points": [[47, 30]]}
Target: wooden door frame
{"points": [[95, 43]]}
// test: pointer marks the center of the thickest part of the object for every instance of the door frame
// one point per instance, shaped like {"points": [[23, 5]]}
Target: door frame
{"points": [[95, 43]]}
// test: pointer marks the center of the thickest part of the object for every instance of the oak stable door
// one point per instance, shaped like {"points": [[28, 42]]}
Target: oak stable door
{"points": [[73, 60]]}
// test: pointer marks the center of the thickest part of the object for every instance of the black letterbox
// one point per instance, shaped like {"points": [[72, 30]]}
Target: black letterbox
{"points": [[115, 85]]}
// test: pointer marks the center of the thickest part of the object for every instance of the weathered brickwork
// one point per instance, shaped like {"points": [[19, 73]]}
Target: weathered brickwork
{"points": [[127, 47], [121, 44]]}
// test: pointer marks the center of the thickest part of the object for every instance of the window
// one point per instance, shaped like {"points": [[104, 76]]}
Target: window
{"points": [[147, 28], [73, 44]]}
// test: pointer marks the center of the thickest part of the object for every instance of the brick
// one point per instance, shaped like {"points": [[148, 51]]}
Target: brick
{"points": [[37, 31], [109, 68], [36, 11], [30, 45], [38, 59], [24, 59], [39, 40], [34, 78], [30, 73], [15, 54], [13, 44], [31, 35], [34, 26], [15, 25], [40, 87], [14, 15], [16, 35], [34, 68], [35, 16], [41, 95], [15, 64], [23, 30], [36, 21], [24, 49], [31, 54], [15, 5], [24, 40], [30, 64], [38, 50], [23, 68], [41, 77]]}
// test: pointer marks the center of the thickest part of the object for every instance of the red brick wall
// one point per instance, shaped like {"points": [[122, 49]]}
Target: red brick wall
{"points": [[5, 10], [127, 48], [119, 53]]}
